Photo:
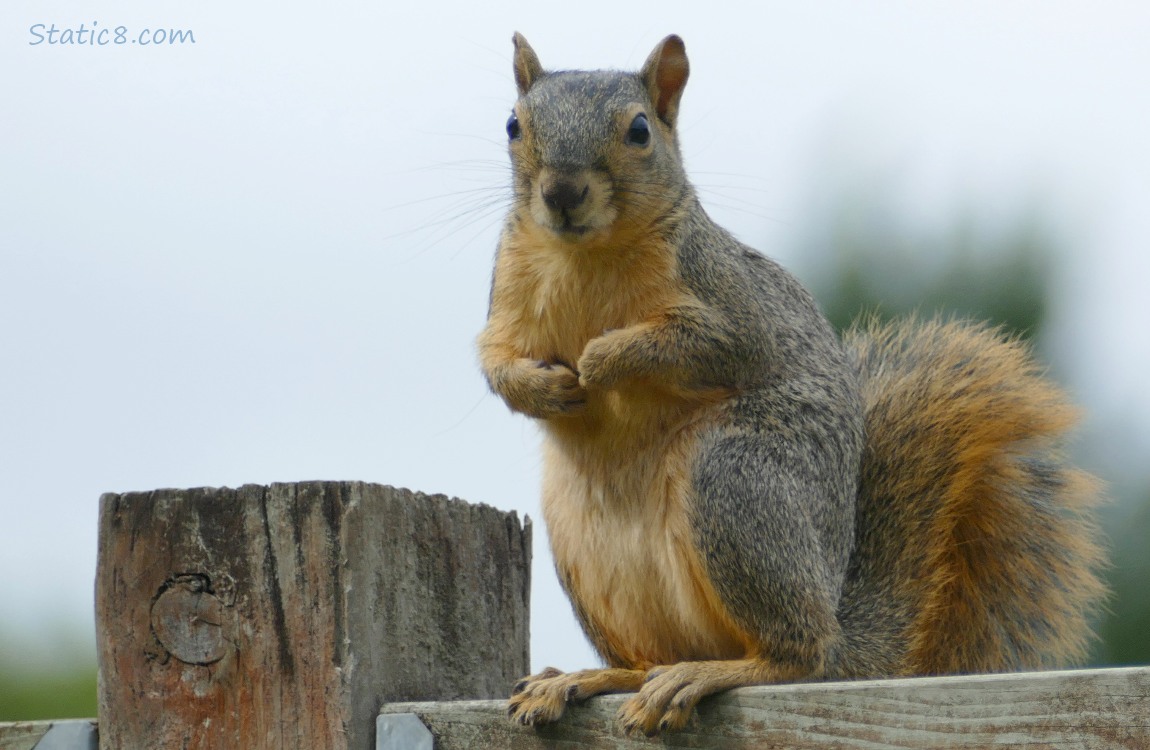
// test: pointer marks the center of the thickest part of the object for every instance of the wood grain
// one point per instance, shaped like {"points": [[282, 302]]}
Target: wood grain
{"points": [[284, 616], [1074, 710], [22, 735]]}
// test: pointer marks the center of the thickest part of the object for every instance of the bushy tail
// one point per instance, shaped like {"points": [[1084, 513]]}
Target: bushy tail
{"points": [[976, 546]]}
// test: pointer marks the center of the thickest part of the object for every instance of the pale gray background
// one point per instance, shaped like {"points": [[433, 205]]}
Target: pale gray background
{"points": [[264, 257]]}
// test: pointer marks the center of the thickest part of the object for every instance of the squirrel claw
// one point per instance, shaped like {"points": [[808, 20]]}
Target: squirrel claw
{"points": [[541, 698], [665, 702]]}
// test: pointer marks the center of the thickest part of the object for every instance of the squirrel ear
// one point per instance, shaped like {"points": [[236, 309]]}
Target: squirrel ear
{"points": [[665, 75], [527, 67]]}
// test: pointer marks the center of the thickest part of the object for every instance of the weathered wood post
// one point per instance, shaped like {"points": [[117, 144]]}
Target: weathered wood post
{"points": [[284, 616]]}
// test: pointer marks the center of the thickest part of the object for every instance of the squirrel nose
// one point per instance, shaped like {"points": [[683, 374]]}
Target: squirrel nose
{"points": [[564, 195]]}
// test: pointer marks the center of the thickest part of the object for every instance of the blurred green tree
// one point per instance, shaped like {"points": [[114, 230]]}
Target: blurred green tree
{"points": [[861, 258], [1126, 629], [40, 684], [69, 695]]}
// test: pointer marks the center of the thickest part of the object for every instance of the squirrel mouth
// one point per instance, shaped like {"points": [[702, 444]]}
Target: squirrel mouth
{"points": [[574, 230], [564, 226]]}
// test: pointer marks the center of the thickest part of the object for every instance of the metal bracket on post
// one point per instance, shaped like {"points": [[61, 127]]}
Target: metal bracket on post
{"points": [[402, 732]]}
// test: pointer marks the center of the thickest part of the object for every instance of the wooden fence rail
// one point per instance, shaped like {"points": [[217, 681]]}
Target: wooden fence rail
{"points": [[73, 734], [1100, 709], [328, 616], [1080, 710]]}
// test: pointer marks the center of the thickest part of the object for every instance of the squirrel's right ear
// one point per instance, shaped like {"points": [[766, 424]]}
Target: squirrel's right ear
{"points": [[665, 75], [527, 67]]}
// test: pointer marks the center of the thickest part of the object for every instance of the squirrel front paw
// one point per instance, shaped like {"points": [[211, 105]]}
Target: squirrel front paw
{"points": [[601, 365], [544, 389], [544, 697], [541, 698]]}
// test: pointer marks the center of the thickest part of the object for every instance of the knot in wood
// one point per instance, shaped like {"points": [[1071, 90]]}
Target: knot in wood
{"points": [[188, 620]]}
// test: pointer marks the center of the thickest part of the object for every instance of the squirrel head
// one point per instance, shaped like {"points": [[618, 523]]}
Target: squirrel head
{"points": [[596, 153]]}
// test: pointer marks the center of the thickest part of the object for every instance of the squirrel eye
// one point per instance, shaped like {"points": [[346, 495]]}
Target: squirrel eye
{"points": [[639, 134], [513, 129]]}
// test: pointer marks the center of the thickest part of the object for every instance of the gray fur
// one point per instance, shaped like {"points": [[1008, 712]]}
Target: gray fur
{"points": [[775, 487]]}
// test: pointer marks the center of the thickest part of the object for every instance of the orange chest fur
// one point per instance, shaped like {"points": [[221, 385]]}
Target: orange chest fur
{"points": [[617, 479], [553, 297]]}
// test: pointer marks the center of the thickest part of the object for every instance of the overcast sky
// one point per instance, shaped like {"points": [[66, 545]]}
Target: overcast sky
{"points": [[264, 256]]}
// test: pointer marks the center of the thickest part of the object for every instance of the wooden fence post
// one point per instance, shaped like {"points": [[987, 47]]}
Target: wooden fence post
{"points": [[284, 616]]}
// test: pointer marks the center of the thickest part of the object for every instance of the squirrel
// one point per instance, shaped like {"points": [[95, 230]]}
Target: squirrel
{"points": [[732, 494]]}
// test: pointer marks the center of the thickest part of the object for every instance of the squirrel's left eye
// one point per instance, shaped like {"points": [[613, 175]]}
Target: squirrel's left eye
{"points": [[513, 129], [639, 133]]}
